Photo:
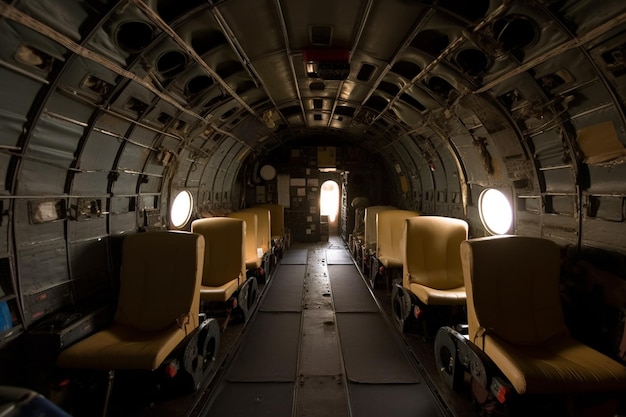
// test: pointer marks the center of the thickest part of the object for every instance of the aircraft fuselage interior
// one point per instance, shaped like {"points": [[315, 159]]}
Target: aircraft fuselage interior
{"points": [[348, 208]]}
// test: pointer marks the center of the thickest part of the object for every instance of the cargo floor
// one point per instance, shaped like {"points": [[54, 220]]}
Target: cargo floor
{"points": [[321, 345]]}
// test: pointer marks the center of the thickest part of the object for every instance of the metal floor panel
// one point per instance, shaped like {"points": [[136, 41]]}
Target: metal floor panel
{"points": [[270, 350], [285, 292], [337, 357], [350, 294], [392, 400], [319, 350], [371, 352], [294, 257], [253, 399], [338, 257]]}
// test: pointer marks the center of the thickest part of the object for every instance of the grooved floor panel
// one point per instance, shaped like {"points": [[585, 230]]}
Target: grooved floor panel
{"points": [[270, 350], [371, 353], [350, 294], [338, 257], [250, 399], [392, 400], [285, 291], [294, 257]]}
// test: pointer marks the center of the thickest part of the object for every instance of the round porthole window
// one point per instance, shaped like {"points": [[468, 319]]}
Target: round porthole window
{"points": [[181, 209], [495, 211]]}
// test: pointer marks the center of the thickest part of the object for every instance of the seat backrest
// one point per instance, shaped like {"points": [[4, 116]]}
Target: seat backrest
{"points": [[224, 256], [277, 217], [431, 251], [369, 220], [512, 286], [389, 232], [160, 280], [264, 227], [250, 218]]}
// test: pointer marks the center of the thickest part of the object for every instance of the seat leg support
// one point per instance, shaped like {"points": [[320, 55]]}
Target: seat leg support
{"points": [[107, 398]]}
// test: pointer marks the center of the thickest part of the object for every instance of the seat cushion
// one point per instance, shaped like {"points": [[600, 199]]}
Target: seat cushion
{"points": [[389, 262], [122, 347], [221, 293], [558, 366], [254, 262], [433, 296]]}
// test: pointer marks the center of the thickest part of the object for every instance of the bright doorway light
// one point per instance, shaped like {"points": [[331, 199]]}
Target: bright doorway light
{"points": [[181, 209], [329, 200], [495, 211]]}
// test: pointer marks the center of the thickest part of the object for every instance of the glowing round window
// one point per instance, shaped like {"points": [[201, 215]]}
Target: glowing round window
{"points": [[495, 211], [181, 209]]}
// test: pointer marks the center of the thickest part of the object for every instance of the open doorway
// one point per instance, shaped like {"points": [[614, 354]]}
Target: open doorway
{"points": [[329, 204]]}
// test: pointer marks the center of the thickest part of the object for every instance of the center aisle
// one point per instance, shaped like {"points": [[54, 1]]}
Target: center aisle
{"points": [[319, 345]]}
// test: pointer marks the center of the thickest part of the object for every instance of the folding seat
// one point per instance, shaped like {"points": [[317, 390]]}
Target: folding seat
{"points": [[264, 237], [389, 225], [369, 263], [277, 228], [157, 315], [224, 274], [369, 220], [253, 261], [516, 321], [357, 236], [431, 265]]}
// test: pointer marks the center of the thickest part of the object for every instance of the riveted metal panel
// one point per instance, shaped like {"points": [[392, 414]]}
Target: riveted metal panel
{"points": [[54, 140], [123, 223], [87, 229], [40, 178], [133, 158], [548, 149], [125, 184], [42, 267], [559, 180], [152, 184], [88, 183]]}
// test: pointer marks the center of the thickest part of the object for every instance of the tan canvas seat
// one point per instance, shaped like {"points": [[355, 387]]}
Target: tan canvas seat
{"points": [[369, 262], [157, 310], [277, 219], [389, 245], [158, 304], [369, 223], [224, 257], [389, 225], [515, 317], [253, 261], [431, 261], [224, 278], [264, 227]]}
